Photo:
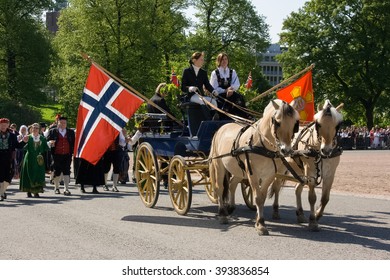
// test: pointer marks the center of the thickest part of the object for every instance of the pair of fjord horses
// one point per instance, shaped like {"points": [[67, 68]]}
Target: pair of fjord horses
{"points": [[256, 153]]}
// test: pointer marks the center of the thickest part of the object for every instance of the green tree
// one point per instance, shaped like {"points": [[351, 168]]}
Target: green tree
{"points": [[237, 29], [233, 26], [135, 40], [349, 42], [24, 50]]}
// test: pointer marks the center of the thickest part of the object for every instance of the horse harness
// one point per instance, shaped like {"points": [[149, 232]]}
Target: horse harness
{"points": [[258, 150], [312, 152]]}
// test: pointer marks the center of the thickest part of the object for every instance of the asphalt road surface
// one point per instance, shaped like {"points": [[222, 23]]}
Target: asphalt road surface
{"points": [[117, 226]]}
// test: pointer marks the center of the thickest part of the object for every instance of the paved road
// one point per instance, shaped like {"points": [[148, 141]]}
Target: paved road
{"points": [[118, 226]]}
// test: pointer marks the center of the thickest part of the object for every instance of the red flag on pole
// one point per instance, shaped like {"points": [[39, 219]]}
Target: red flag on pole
{"points": [[104, 109], [302, 92], [248, 83], [174, 79]]}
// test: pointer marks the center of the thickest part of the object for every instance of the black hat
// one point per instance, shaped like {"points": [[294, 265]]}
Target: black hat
{"points": [[42, 124], [63, 118]]}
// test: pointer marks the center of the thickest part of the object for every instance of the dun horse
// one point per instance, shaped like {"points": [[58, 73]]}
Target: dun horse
{"points": [[320, 163], [251, 153]]}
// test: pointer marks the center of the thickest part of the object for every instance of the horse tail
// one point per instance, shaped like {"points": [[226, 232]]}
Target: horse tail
{"points": [[225, 194]]}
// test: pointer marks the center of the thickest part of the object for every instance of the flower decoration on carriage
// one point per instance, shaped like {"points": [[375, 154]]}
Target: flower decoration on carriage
{"points": [[302, 92]]}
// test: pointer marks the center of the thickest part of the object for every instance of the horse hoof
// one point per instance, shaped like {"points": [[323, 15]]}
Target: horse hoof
{"points": [[231, 209], [223, 220], [262, 231], [275, 216], [301, 219]]}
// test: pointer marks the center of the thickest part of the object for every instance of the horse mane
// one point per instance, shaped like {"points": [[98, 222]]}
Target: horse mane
{"points": [[282, 109], [328, 110]]}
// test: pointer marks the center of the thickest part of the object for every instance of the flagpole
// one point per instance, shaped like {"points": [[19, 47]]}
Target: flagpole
{"points": [[281, 84], [87, 57]]}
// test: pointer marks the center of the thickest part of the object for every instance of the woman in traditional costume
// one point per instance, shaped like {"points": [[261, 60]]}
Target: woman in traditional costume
{"points": [[32, 179]]}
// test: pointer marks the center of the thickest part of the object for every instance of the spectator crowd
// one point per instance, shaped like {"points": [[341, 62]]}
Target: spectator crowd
{"points": [[354, 137]]}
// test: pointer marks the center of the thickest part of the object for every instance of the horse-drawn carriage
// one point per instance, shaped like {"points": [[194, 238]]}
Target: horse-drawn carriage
{"points": [[204, 153]]}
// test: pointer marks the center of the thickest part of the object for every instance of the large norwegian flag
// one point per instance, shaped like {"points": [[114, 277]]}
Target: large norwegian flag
{"points": [[104, 109]]}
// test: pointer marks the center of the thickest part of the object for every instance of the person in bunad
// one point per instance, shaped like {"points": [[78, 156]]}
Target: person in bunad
{"points": [[226, 83], [88, 174], [113, 157], [8, 145], [61, 140], [32, 176], [195, 79], [19, 150], [376, 142]]}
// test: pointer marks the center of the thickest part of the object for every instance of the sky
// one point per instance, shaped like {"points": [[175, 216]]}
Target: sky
{"points": [[275, 11]]}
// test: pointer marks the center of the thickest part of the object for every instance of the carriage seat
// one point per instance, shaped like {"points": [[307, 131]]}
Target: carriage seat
{"points": [[156, 123]]}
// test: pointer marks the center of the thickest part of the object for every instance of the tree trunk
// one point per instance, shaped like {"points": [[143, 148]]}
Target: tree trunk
{"points": [[369, 114]]}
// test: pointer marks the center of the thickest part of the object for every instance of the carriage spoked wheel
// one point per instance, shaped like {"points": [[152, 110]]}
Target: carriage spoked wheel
{"points": [[247, 194], [179, 185], [146, 174], [210, 191]]}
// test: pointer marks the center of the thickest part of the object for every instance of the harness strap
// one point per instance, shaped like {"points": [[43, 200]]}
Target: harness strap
{"points": [[301, 134], [292, 171], [258, 150], [234, 147]]}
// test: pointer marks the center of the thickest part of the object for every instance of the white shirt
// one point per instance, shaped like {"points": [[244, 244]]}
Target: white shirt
{"points": [[62, 131], [134, 139], [122, 139], [196, 69], [224, 74]]}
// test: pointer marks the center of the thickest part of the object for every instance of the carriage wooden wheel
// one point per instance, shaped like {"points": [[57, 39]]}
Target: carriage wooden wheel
{"points": [[210, 191], [247, 194], [147, 175], [179, 185]]}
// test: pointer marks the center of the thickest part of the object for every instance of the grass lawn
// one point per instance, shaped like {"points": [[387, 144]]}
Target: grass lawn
{"points": [[49, 111]]}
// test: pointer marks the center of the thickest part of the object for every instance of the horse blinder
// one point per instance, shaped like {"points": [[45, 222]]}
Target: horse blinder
{"points": [[296, 127]]}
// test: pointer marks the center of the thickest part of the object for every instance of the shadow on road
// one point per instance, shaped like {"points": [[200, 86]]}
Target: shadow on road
{"points": [[367, 231]]}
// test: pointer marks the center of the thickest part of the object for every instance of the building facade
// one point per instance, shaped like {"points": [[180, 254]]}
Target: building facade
{"points": [[272, 70]]}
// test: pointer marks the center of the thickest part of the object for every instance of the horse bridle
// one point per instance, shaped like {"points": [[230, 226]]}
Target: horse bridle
{"points": [[277, 125], [335, 142]]}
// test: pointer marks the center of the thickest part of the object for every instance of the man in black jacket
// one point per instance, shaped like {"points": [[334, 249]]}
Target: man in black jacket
{"points": [[61, 140], [8, 144]]}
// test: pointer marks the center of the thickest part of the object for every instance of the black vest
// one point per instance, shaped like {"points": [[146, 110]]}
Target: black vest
{"points": [[224, 83]]}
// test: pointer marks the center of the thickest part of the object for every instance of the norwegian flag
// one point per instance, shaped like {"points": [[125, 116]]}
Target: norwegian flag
{"points": [[248, 83], [174, 79], [104, 109]]}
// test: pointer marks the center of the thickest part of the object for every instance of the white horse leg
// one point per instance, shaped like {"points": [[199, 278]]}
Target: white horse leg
{"points": [[274, 191], [326, 186], [313, 225], [232, 195], [298, 196], [329, 170]]}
